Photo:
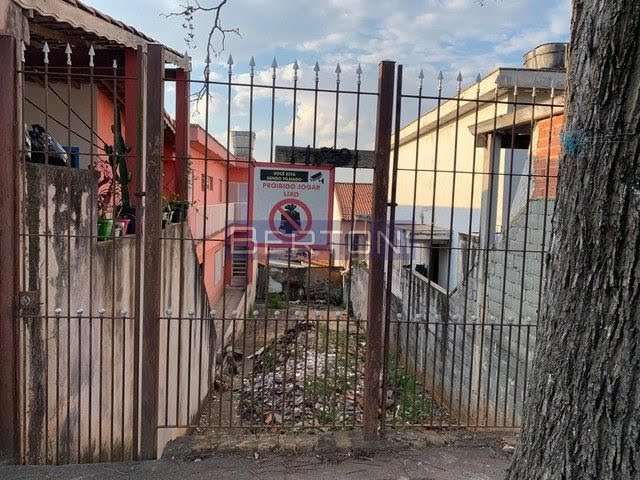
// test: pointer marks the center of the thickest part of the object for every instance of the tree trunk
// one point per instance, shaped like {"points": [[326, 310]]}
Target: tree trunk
{"points": [[583, 412]]}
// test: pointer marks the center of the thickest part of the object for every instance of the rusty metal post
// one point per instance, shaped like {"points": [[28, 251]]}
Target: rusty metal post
{"points": [[9, 246], [375, 312], [140, 122], [152, 254]]}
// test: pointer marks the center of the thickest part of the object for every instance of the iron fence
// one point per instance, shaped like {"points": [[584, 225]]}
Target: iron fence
{"points": [[421, 312]]}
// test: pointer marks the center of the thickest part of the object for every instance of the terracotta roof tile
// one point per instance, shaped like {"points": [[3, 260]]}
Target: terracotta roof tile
{"points": [[361, 202]]}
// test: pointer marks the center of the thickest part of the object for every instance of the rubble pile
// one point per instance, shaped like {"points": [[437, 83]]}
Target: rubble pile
{"points": [[305, 378]]}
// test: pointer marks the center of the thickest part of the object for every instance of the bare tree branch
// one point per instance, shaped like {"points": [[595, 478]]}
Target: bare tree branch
{"points": [[217, 33]]}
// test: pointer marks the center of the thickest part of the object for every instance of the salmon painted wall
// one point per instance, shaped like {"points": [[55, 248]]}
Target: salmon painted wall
{"points": [[104, 122], [169, 180]]}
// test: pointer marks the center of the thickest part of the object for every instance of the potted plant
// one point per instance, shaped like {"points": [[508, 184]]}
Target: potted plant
{"points": [[117, 154], [105, 223]]}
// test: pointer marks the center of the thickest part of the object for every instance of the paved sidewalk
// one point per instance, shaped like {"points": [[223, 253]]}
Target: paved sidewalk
{"points": [[428, 463]]}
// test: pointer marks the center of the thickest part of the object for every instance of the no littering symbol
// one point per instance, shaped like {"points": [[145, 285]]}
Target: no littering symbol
{"points": [[290, 220]]}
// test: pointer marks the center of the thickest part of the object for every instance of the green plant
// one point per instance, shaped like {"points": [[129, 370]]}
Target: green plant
{"points": [[411, 402], [276, 301]]}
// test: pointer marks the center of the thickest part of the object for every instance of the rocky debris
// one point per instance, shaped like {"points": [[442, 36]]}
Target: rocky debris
{"points": [[305, 378]]}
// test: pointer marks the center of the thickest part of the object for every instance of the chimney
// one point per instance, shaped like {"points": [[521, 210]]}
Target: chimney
{"points": [[241, 144], [548, 56]]}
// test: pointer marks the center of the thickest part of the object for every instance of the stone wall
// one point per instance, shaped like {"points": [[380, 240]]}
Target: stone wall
{"points": [[77, 339]]}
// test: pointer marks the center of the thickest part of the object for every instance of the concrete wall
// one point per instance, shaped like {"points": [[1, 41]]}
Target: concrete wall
{"points": [[77, 395], [474, 364], [478, 372]]}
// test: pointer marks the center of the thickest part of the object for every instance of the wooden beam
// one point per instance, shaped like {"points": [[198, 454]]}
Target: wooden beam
{"points": [[325, 156]]}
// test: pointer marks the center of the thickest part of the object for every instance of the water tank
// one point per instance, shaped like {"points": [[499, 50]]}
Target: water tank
{"points": [[548, 56], [242, 142]]}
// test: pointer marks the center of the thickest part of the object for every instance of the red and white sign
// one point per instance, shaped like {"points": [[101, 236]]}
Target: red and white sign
{"points": [[291, 205]]}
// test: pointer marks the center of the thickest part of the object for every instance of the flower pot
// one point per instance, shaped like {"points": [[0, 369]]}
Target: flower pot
{"points": [[105, 227], [124, 225]]}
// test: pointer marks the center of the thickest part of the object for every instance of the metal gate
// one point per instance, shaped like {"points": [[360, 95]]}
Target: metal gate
{"points": [[422, 312]]}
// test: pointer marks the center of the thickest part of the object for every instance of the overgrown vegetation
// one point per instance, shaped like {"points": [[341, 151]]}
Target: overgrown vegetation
{"points": [[407, 395]]}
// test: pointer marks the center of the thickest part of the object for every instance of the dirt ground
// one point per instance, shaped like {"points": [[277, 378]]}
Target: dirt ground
{"points": [[429, 463]]}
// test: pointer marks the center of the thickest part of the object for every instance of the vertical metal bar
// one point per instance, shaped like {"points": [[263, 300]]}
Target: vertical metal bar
{"points": [[68, 244], [116, 120], [486, 235], [92, 203], [101, 313], [504, 266], [431, 246], [410, 303], [524, 252], [139, 232], [467, 267], [351, 247], [152, 254], [225, 252], [182, 154], [46, 254], [274, 66], [450, 247], [22, 210], [123, 392], [375, 310], [337, 341], [250, 255], [391, 239], [10, 132]]}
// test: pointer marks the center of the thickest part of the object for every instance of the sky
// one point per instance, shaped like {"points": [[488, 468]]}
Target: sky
{"points": [[451, 36]]}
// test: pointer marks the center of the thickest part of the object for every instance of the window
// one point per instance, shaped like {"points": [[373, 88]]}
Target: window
{"points": [[206, 182], [218, 266]]}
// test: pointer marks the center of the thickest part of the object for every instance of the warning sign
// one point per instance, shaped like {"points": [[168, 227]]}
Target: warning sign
{"points": [[291, 205]]}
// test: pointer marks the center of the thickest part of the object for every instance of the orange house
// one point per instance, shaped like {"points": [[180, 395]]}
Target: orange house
{"points": [[218, 214]]}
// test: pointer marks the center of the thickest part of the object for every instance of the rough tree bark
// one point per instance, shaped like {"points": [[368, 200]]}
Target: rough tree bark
{"points": [[583, 413]]}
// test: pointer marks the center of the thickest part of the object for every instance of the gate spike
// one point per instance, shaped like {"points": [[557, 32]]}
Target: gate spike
{"points": [[440, 79], [68, 51], [92, 54], [359, 74], [316, 69], [295, 69], [115, 64], [252, 65], [459, 80], [421, 77], [338, 72], [274, 66], [45, 50], [230, 63]]}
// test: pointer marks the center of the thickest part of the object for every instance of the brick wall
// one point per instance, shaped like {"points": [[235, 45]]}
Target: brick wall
{"points": [[547, 151]]}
